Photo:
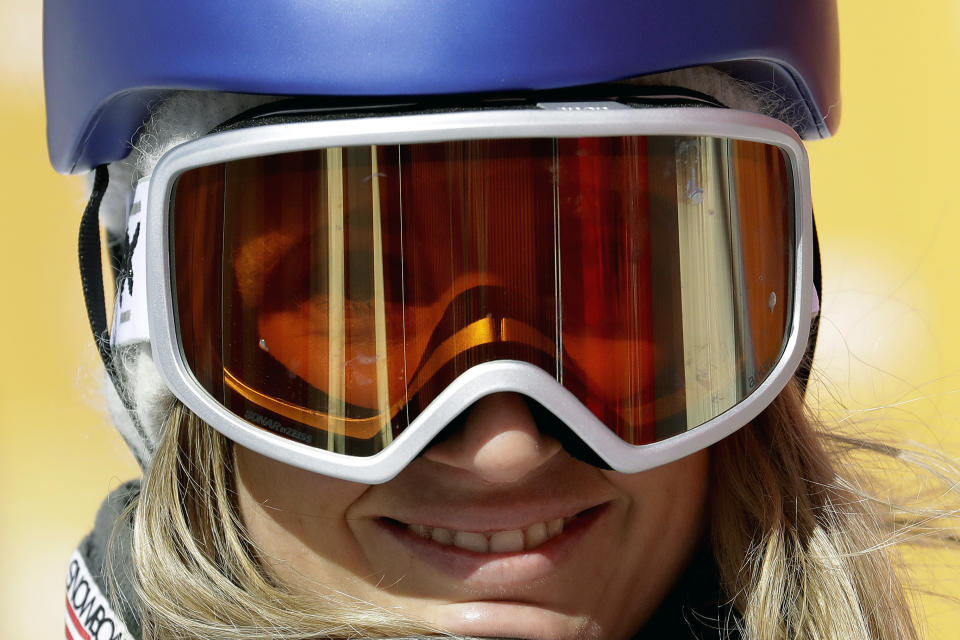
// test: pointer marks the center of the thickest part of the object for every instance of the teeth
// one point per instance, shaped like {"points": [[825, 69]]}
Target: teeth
{"points": [[443, 536], [554, 527], [507, 541], [536, 535], [496, 542], [421, 530], [471, 541]]}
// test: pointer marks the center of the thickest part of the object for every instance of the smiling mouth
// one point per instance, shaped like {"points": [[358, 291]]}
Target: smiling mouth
{"points": [[512, 541]]}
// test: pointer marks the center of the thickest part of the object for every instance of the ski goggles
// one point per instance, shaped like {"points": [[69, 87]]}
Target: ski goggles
{"points": [[334, 293]]}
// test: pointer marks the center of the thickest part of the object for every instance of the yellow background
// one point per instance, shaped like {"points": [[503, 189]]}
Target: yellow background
{"points": [[885, 192]]}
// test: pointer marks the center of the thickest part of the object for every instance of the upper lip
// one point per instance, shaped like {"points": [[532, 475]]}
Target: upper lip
{"points": [[435, 495], [488, 515]]}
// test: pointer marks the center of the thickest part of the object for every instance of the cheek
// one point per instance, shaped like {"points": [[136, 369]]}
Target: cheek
{"points": [[668, 500], [664, 523], [298, 521]]}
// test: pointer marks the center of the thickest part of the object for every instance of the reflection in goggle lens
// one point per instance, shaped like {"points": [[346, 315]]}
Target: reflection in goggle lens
{"points": [[331, 295]]}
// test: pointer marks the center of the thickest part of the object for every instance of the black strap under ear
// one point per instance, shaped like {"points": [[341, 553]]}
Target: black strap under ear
{"points": [[803, 371], [91, 278]]}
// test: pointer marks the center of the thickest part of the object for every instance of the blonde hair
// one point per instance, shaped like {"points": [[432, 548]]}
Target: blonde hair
{"points": [[802, 552]]}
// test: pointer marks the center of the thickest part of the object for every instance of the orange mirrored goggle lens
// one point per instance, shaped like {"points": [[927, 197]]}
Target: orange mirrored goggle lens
{"points": [[330, 295]]}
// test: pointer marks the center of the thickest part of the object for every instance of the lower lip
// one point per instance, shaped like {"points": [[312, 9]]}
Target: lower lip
{"points": [[497, 568]]}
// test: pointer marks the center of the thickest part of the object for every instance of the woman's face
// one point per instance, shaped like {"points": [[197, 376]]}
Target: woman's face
{"points": [[493, 531]]}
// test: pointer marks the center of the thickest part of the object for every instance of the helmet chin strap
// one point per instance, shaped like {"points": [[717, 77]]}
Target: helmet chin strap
{"points": [[91, 278]]}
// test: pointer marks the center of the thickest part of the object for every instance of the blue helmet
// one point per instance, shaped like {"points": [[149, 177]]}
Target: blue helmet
{"points": [[106, 61]]}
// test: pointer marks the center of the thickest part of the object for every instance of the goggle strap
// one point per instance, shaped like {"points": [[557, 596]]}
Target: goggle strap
{"points": [[130, 306], [91, 279], [607, 95], [802, 375]]}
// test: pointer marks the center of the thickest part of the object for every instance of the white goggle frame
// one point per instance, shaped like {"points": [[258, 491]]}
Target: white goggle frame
{"points": [[152, 272]]}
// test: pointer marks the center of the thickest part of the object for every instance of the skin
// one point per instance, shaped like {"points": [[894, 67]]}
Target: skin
{"points": [[496, 473]]}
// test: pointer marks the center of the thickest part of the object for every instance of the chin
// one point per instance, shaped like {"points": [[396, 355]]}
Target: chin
{"points": [[517, 620]]}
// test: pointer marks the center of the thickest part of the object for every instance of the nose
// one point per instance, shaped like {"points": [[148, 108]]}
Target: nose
{"points": [[499, 441]]}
